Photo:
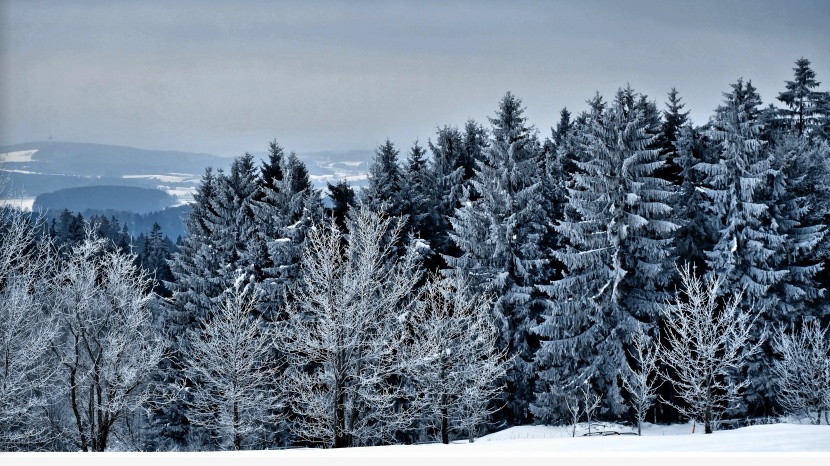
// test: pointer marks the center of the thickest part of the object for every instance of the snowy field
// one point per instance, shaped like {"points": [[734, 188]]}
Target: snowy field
{"points": [[20, 156], [23, 203], [791, 444]]}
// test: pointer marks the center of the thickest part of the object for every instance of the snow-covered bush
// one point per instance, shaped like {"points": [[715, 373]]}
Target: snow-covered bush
{"points": [[802, 373]]}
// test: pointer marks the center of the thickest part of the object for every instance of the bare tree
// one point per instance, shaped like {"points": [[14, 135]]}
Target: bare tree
{"points": [[642, 379], [234, 368], [452, 357], [25, 333], [707, 345], [106, 345], [802, 374], [342, 337], [590, 403]]}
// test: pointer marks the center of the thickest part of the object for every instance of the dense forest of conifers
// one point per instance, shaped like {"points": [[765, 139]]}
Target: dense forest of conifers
{"points": [[496, 276]]}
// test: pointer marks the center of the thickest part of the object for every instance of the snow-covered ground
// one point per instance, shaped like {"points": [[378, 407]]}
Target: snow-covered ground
{"points": [[24, 203], [168, 178], [761, 444], [18, 156]]}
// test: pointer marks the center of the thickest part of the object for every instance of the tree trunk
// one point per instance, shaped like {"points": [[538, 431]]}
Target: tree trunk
{"points": [[341, 440], [237, 439], [73, 392], [445, 434], [708, 415]]}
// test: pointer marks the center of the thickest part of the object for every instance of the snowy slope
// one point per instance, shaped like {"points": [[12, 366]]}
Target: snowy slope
{"points": [[790, 444]]}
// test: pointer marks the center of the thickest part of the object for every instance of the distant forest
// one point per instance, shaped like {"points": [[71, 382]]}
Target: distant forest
{"points": [[624, 265]]}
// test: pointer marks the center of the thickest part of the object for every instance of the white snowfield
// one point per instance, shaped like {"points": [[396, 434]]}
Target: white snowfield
{"points": [[20, 156], [762, 444]]}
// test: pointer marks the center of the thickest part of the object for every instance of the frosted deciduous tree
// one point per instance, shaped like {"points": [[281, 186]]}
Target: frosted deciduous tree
{"points": [[342, 338], [26, 333], [802, 371], [106, 345], [708, 344], [452, 357], [642, 381], [233, 359]]}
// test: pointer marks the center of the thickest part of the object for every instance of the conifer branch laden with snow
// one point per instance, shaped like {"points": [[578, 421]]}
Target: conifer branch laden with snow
{"points": [[707, 344]]}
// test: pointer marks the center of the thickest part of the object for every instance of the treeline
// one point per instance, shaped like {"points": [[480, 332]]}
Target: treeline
{"points": [[492, 278]]}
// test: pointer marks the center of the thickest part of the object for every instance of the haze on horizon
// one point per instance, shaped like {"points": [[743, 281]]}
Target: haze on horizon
{"points": [[227, 77]]}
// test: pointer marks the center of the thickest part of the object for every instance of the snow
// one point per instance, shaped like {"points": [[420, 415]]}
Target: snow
{"points": [[24, 203], [807, 444], [25, 172], [18, 156], [168, 178]]}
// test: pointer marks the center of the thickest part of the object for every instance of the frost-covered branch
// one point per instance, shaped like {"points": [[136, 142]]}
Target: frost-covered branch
{"points": [[707, 345]]}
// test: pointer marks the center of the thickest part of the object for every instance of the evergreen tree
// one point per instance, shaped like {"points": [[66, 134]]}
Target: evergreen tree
{"points": [[340, 199], [499, 236], [803, 101], [749, 239], [282, 215], [385, 182], [674, 119], [619, 260], [415, 191], [154, 258], [445, 187]]}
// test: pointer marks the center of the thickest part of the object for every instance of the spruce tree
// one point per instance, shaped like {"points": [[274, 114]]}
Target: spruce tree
{"points": [[619, 259], [749, 239], [385, 182], [499, 232], [803, 101]]}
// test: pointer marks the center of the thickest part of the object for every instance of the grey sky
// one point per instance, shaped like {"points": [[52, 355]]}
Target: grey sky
{"points": [[227, 77]]}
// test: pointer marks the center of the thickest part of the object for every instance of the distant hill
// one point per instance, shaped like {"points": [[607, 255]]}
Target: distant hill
{"points": [[41, 167], [118, 198], [106, 161]]}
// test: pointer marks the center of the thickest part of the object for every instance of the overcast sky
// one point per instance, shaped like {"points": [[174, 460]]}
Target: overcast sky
{"points": [[227, 77]]}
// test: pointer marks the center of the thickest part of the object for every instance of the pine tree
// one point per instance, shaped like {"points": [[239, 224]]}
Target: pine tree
{"points": [[619, 260], [282, 209], [499, 232], [220, 244]]}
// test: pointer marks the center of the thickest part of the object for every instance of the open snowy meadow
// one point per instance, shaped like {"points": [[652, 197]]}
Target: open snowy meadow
{"points": [[802, 444]]}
